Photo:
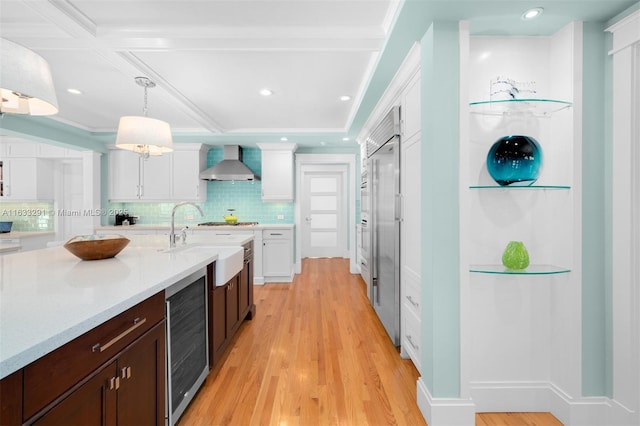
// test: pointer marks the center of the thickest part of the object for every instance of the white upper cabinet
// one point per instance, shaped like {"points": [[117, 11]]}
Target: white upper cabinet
{"points": [[124, 175], [20, 148], [187, 163], [170, 177], [155, 176], [410, 110], [27, 179], [277, 172]]}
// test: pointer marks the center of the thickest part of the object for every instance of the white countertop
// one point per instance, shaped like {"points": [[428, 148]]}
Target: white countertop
{"points": [[195, 227], [8, 248], [19, 234], [162, 241], [49, 297]]}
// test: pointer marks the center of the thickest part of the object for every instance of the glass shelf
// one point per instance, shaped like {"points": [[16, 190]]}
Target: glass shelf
{"points": [[538, 187], [530, 270], [538, 107]]}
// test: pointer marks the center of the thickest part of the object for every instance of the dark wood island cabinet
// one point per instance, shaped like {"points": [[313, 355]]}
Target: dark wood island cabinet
{"points": [[113, 374], [229, 305], [116, 372]]}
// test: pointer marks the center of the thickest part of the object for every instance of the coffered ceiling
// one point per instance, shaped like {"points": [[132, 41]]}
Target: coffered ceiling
{"points": [[211, 58]]}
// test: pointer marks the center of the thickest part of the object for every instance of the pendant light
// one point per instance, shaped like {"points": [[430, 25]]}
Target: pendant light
{"points": [[144, 135], [26, 84]]}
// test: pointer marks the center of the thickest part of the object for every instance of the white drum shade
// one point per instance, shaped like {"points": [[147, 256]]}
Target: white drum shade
{"points": [[144, 135], [25, 81]]}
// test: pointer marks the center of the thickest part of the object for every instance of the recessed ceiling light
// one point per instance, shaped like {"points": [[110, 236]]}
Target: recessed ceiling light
{"points": [[75, 91], [266, 92], [323, 143], [532, 13], [345, 139], [345, 98], [284, 139]]}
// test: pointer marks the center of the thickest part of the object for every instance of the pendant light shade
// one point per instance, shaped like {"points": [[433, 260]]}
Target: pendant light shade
{"points": [[26, 83], [144, 135], [141, 134]]}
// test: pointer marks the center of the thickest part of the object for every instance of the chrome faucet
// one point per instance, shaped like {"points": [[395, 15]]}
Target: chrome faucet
{"points": [[172, 234]]}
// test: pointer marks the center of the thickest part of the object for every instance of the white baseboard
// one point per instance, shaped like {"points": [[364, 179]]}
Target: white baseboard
{"points": [[444, 411], [512, 396], [523, 396], [547, 397], [280, 279]]}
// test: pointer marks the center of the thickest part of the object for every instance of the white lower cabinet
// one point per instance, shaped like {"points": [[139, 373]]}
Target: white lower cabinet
{"points": [[410, 257], [277, 254], [411, 326]]}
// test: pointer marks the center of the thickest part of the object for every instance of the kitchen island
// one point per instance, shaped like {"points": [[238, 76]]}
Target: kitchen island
{"points": [[49, 297], [273, 243], [50, 300]]}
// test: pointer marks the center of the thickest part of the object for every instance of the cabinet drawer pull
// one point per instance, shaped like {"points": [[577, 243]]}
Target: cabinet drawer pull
{"points": [[100, 348], [125, 373], [114, 383], [410, 339], [275, 233], [410, 299]]}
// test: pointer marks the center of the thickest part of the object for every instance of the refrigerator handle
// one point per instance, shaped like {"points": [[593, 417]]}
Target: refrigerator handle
{"points": [[376, 290], [398, 209], [374, 224]]}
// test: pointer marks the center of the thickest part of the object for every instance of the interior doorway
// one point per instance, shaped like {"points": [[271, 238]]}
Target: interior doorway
{"points": [[324, 212], [315, 165]]}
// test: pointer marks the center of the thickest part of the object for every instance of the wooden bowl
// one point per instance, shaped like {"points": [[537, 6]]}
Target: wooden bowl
{"points": [[96, 247]]}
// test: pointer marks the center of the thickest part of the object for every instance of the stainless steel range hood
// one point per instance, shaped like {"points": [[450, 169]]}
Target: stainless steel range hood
{"points": [[230, 168]]}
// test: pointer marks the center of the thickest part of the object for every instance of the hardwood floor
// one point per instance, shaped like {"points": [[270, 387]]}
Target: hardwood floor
{"points": [[314, 354], [516, 419]]}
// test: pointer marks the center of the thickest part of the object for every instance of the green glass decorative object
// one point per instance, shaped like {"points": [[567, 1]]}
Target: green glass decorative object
{"points": [[515, 256]]}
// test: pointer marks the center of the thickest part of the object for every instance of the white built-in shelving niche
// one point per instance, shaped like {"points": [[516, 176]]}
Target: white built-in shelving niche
{"points": [[521, 329]]}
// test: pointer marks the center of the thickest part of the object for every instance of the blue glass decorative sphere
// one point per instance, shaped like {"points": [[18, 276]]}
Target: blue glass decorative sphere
{"points": [[515, 160]]}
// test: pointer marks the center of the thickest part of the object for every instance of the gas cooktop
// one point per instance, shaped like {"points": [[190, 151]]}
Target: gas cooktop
{"points": [[228, 224]]}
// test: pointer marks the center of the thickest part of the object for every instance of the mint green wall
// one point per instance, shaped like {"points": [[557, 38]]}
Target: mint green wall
{"points": [[244, 197], [44, 129], [594, 346], [440, 307]]}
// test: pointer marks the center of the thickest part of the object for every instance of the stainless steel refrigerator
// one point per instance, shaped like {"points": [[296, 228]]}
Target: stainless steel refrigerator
{"points": [[383, 150]]}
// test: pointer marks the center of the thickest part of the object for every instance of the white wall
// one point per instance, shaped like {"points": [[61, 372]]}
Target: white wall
{"points": [[625, 210]]}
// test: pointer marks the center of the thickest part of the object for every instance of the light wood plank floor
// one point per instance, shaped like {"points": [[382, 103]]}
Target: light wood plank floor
{"points": [[316, 354]]}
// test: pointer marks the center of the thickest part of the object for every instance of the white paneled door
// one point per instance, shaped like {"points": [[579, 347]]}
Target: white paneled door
{"points": [[324, 213]]}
